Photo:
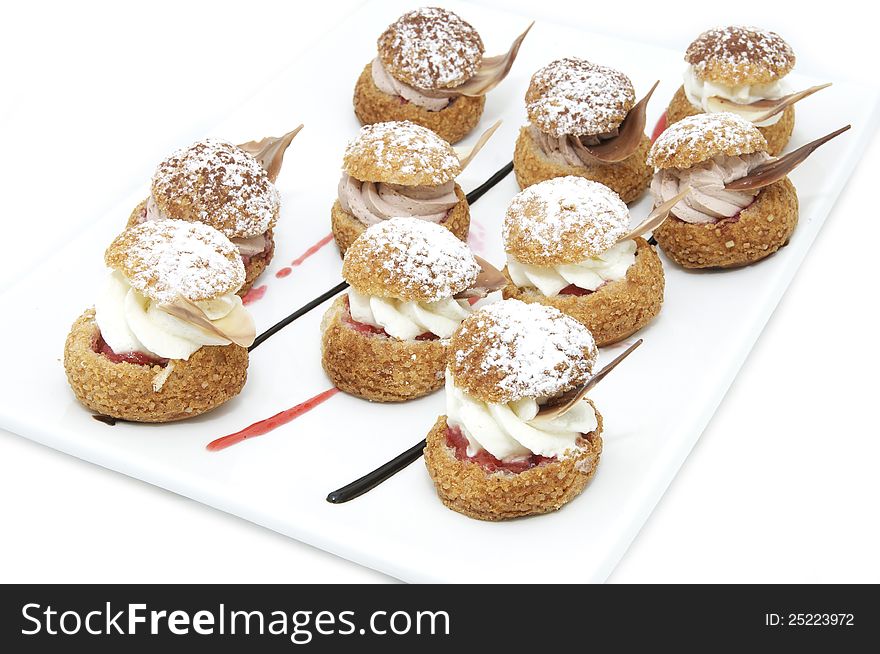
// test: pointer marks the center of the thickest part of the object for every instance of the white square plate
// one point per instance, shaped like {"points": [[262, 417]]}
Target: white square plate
{"points": [[655, 405]]}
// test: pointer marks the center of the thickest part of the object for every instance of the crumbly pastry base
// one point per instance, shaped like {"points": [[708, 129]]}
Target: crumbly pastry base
{"points": [[465, 487], [346, 228], [629, 179], [212, 376], [777, 135], [378, 368], [252, 270], [762, 228], [616, 310], [452, 123]]}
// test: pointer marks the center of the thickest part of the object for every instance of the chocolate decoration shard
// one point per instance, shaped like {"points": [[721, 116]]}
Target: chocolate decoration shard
{"points": [[770, 107], [655, 218], [465, 159], [775, 169], [492, 72], [240, 332], [488, 280], [270, 151], [629, 135], [566, 402]]}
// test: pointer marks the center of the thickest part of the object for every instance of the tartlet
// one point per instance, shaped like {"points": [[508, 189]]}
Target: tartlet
{"points": [[738, 69], [572, 105], [491, 456], [135, 356], [715, 227], [430, 70], [221, 185], [564, 249], [387, 338], [398, 170]]}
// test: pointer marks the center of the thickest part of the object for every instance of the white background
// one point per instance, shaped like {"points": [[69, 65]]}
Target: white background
{"points": [[781, 487]]}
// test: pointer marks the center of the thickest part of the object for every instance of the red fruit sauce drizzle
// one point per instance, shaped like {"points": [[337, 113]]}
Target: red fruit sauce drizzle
{"points": [[256, 293], [659, 128], [458, 442], [312, 250], [99, 346], [267, 425], [476, 237]]}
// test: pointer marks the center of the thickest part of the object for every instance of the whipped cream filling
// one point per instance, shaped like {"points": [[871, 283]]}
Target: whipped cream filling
{"points": [[588, 274], [512, 431], [708, 200], [247, 246], [703, 95], [406, 320], [130, 322], [373, 202], [387, 84], [562, 150]]}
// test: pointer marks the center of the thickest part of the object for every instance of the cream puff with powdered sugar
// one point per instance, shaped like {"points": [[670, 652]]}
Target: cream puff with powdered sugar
{"points": [[398, 170], [430, 69], [576, 107], [221, 185], [715, 226], [565, 249], [387, 338], [167, 337], [741, 70], [494, 455]]}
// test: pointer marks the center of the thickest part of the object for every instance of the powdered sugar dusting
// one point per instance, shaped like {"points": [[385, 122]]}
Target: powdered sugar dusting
{"points": [[527, 350], [168, 258], [401, 152], [217, 183], [564, 216], [737, 54], [699, 137], [577, 97], [431, 48], [419, 259]]}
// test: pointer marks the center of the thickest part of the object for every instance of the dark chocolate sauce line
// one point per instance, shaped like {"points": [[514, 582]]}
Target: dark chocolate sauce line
{"points": [[652, 240], [303, 310], [472, 197], [372, 479], [483, 188]]}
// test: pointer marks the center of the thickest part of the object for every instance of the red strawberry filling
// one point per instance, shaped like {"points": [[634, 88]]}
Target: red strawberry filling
{"points": [[659, 128], [364, 328], [459, 443], [571, 289], [138, 358]]}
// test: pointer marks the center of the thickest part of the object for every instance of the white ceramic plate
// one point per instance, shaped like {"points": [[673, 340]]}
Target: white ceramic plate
{"points": [[655, 405]]}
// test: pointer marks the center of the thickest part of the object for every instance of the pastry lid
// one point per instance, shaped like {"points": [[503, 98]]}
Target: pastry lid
{"points": [[577, 97], [431, 48], [512, 350], [563, 220], [695, 139], [737, 55], [409, 259], [219, 184], [400, 153], [168, 259]]}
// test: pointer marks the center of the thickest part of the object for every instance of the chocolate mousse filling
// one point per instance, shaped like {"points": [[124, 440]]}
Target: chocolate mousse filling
{"points": [[708, 200], [373, 202]]}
